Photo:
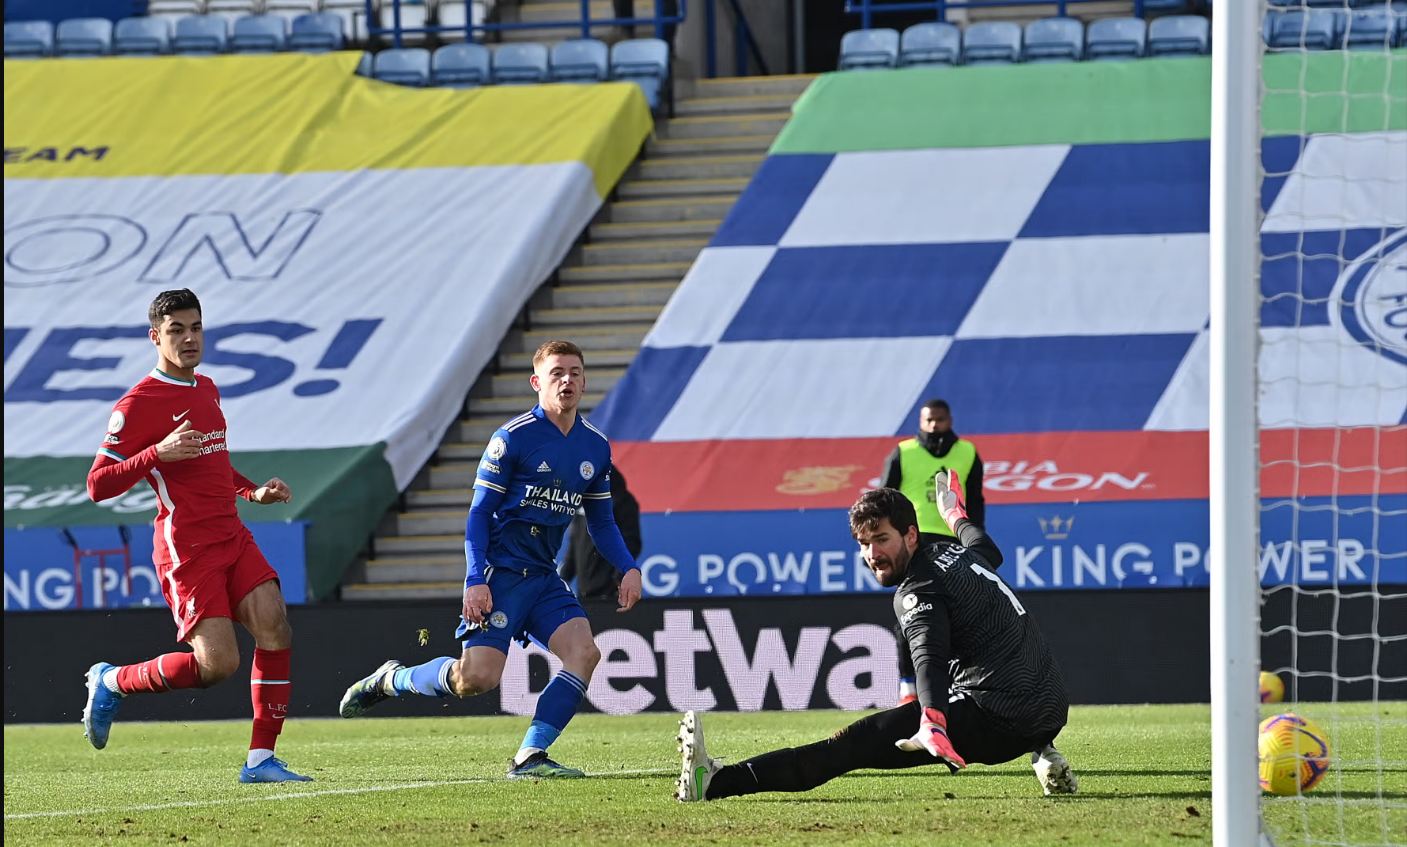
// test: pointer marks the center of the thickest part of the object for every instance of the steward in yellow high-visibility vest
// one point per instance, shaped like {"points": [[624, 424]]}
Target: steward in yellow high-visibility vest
{"points": [[914, 463]]}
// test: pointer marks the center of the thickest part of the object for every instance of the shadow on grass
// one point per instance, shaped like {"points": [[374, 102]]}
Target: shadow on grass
{"points": [[984, 771], [1157, 772], [1082, 797]]}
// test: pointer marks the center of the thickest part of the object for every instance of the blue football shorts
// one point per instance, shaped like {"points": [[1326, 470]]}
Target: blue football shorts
{"points": [[526, 607]]}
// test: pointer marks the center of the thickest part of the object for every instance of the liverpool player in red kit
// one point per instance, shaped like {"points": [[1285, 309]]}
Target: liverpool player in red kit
{"points": [[169, 431]]}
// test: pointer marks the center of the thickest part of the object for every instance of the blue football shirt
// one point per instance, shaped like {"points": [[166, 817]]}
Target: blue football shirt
{"points": [[544, 477]]}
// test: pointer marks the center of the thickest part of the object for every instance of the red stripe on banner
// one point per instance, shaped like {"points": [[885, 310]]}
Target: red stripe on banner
{"points": [[1325, 462], [1053, 467]]}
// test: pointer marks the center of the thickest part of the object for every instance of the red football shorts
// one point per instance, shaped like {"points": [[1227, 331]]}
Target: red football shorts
{"points": [[211, 583]]}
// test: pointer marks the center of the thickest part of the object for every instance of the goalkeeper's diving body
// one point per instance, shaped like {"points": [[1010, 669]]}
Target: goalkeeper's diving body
{"points": [[989, 689]]}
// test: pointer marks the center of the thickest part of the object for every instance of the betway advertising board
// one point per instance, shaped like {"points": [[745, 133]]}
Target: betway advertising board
{"points": [[739, 653], [1031, 244], [359, 250]]}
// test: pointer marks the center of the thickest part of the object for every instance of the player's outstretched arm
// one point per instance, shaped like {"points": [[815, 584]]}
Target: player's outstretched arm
{"points": [[605, 534]]}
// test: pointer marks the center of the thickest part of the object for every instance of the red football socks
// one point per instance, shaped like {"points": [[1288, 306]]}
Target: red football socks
{"points": [[164, 673], [269, 689]]}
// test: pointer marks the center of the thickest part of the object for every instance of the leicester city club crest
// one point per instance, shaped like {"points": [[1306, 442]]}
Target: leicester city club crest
{"points": [[1371, 298]]}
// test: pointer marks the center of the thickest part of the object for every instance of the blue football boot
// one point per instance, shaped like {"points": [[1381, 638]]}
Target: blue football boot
{"points": [[101, 707], [272, 769]]}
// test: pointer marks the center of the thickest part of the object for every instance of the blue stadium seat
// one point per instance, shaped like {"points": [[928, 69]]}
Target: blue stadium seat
{"points": [[201, 35], [461, 65], [1116, 38], [520, 64], [991, 43], [1367, 29], [29, 39], [930, 43], [318, 32], [1165, 6], [364, 65], [406, 66], [645, 62], [581, 60], [142, 37], [1311, 29], [83, 37], [1054, 40], [869, 48], [1179, 35], [259, 34]]}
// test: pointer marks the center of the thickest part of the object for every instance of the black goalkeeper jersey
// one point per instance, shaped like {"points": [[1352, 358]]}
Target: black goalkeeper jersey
{"points": [[971, 637]]}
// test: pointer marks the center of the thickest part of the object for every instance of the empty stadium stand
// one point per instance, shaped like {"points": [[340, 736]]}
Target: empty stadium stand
{"points": [[1373, 25], [605, 298]]}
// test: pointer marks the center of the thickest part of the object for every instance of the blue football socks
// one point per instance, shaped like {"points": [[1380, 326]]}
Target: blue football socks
{"points": [[430, 679], [555, 707]]}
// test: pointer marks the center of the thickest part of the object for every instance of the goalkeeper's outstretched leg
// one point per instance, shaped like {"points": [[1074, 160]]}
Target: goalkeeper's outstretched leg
{"points": [[868, 743]]}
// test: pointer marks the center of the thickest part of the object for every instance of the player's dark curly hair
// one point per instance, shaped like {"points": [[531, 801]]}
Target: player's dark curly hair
{"points": [[175, 300], [879, 504]]}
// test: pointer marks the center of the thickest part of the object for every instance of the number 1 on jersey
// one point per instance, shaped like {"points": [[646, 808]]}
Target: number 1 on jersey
{"points": [[1005, 589]]}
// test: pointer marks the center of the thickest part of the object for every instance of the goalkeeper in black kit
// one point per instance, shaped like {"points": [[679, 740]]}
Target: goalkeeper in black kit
{"points": [[989, 690]]}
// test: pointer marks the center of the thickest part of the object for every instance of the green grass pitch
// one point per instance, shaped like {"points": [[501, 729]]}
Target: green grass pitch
{"points": [[1144, 779]]}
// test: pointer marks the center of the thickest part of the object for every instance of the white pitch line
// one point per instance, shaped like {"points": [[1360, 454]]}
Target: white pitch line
{"points": [[293, 795]]}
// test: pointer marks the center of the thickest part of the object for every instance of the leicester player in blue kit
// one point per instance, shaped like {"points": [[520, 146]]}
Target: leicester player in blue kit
{"points": [[537, 470]]}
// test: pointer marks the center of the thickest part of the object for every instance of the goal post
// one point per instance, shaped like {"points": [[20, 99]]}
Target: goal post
{"points": [[1233, 493], [1307, 413]]}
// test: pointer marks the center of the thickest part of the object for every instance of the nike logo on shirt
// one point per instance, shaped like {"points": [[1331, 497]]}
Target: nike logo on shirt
{"points": [[178, 417]]}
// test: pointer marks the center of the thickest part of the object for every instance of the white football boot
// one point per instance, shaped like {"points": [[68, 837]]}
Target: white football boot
{"points": [[1053, 772], [698, 769]]}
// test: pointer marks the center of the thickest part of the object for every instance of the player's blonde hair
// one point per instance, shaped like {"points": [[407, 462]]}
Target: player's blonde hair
{"points": [[557, 348]]}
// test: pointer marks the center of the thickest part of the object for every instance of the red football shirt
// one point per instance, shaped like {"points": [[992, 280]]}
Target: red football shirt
{"points": [[195, 497]]}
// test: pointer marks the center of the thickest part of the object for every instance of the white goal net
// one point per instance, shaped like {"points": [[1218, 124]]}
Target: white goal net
{"points": [[1331, 398]]}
